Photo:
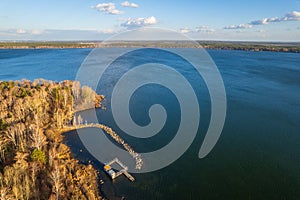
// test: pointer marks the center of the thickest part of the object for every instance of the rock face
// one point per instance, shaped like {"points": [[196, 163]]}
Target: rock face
{"points": [[34, 163]]}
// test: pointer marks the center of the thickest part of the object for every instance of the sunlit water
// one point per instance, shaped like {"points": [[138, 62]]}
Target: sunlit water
{"points": [[257, 155]]}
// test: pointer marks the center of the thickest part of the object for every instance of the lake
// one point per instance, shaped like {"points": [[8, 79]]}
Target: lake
{"points": [[257, 155]]}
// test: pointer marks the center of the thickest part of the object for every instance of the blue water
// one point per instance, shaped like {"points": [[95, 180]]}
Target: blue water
{"points": [[52, 64], [258, 154]]}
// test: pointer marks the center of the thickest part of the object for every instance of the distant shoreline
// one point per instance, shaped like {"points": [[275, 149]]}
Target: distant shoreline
{"points": [[292, 47]]}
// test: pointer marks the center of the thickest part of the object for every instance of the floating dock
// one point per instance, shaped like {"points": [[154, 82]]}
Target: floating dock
{"points": [[114, 174]]}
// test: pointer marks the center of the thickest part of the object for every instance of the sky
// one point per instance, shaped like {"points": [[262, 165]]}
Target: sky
{"points": [[255, 20]]}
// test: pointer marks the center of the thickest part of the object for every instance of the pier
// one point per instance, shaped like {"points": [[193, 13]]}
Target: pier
{"points": [[108, 169]]}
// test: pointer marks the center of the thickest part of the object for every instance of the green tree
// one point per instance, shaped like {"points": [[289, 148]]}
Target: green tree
{"points": [[38, 155], [3, 124]]}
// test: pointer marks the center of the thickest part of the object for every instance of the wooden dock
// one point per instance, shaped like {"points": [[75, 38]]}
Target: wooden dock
{"points": [[114, 174]]}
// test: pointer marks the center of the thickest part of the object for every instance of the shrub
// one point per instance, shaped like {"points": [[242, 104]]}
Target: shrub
{"points": [[38, 155], [28, 92], [9, 115], [3, 124], [21, 93]]}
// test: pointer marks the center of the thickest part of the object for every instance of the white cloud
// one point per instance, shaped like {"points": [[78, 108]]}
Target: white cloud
{"points": [[128, 4], [109, 8], [185, 30], [56, 34], [259, 22], [240, 26], [150, 20], [28, 32], [273, 19], [21, 31], [139, 22], [292, 16], [108, 31], [204, 29], [36, 32], [199, 29]]}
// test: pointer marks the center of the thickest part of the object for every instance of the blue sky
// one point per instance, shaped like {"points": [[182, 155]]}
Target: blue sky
{"points": [[261, 20]]}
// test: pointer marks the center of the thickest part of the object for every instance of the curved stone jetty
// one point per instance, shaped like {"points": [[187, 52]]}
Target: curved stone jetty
{"points": [[116, 137]]}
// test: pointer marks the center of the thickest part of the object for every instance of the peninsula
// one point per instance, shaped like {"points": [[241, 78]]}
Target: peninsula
{"points": [[34, 161]]}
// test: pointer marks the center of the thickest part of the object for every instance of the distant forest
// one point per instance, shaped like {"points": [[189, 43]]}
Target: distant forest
{"points": [[226, 45]]}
